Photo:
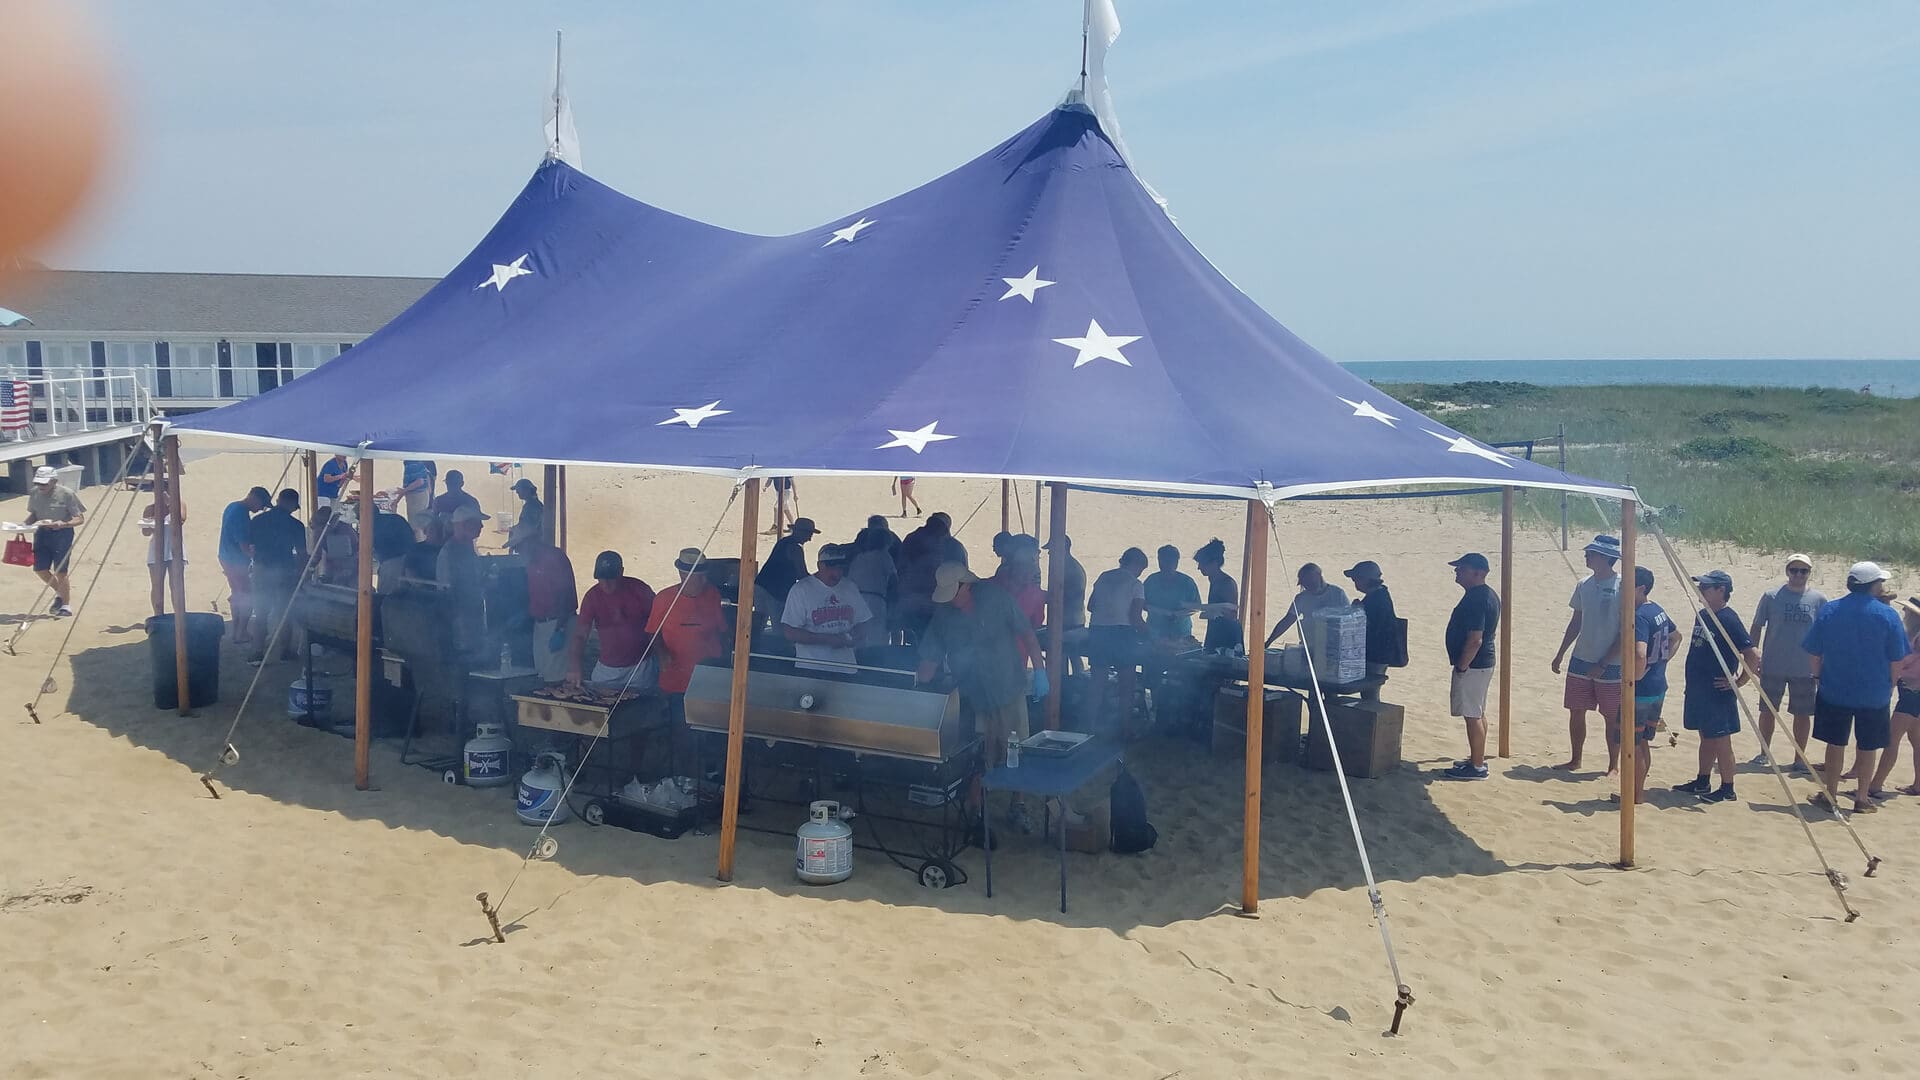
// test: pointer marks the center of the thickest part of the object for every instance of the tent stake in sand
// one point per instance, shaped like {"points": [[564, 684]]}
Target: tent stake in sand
{"points": [[493, 920]]}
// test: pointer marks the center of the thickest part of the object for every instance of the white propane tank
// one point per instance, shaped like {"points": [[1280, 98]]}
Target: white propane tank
{"points": [[824, 855], [483, 761], [538, 798]]}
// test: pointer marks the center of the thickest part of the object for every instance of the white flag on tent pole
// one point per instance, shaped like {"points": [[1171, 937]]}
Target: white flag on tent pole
{"points": [[1102, 28], [563, 141]]}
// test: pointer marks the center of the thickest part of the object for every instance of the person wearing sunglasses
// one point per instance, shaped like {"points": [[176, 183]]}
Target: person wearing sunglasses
{"points": [[1780, 623]]}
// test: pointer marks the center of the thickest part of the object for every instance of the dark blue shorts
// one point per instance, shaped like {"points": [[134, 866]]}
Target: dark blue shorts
{"points": [[1871, 728], [1714, 713], [1646, 721]]}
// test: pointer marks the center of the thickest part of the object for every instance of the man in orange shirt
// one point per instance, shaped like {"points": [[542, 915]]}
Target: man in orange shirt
{"points": [[688, 629]]}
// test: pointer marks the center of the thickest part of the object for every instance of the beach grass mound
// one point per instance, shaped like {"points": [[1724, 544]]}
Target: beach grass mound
{"points": [[1821, 470]]}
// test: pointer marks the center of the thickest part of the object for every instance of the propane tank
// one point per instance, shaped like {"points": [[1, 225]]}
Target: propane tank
{"points": [[824, 855], [538, 800], [483, 761]]}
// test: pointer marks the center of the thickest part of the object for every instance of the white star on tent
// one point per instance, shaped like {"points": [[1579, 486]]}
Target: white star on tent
{"points": [[1024, 286], [915, 441], [1098, 345], [847, 233], [692, 417], [1460, 444], [503, 274], [1366, 409]]}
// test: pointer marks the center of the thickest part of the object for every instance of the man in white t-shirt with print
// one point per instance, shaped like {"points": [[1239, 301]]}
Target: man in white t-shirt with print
{"points": [[825, 616]]}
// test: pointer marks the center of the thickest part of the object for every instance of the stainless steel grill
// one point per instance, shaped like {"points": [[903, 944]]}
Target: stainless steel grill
{"points": [[793, 706]]}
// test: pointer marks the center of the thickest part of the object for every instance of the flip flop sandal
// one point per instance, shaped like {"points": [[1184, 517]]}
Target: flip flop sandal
{"points": [[1824, 802], [1868, 807]]}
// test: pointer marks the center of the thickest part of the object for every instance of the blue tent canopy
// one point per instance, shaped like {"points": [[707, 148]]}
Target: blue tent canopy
{"points": [[1032, 314]]}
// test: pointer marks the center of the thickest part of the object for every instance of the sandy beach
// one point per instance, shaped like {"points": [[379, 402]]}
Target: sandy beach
{"points": [[298, 928]]}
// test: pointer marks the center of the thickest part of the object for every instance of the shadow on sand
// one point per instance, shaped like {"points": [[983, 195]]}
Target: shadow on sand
{"points": [[1194, 799]]}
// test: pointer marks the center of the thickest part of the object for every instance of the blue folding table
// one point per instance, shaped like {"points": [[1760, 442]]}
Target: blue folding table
{"points": [[1046, 777]]}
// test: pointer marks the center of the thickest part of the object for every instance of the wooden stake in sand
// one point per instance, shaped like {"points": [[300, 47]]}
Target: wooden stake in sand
{"points": [[1057, 604], [1628, 668], [1256, 588], [177, 573], [363, 634], [1505, 658], [737, 694]]}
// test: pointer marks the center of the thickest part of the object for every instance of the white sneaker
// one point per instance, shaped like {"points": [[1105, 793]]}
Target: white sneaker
{"points": [[1758, 759], [64, 611]]}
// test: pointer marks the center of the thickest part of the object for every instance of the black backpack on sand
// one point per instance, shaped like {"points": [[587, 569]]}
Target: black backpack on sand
{"points": [[1132, 832]]}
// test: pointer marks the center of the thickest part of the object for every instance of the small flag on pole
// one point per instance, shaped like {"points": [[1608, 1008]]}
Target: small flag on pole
{"points": [[501, 468], [16, 405]]}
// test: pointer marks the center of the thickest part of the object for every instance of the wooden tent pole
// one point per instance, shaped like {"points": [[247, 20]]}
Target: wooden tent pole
{"points": [[1256, 705], [1246, 571], [561, 517], [1628, 668], [1505, 657], [1006, 506], [550, 494], [363, 633], [737, 694], [177, 575], [1056, 604]]}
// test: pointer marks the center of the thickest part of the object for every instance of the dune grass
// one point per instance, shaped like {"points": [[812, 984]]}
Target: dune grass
{"points": [[1826, 471]]}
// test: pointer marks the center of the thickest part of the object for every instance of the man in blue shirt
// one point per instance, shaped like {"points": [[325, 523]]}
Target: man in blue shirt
{"points": [[234, 560], [1856, 642], [326, 486]]}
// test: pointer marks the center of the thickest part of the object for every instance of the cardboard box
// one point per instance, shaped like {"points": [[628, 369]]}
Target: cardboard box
{"points": [[1092, 834], [1367, 733], [1279, 731]]}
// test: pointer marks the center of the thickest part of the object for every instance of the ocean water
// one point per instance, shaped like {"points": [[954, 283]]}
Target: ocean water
{"points": [[1888, 378]]}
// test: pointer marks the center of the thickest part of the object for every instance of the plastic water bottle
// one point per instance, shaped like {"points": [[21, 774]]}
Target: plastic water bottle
{"points": [[506, 657], [1013, 749]]}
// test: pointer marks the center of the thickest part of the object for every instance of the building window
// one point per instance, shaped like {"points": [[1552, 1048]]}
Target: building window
{"points": [[195, 369], [308, 357]]}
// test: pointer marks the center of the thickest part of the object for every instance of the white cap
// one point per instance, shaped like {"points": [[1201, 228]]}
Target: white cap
{"points": [[1801, 558], [1866, 573], [45, 475]]}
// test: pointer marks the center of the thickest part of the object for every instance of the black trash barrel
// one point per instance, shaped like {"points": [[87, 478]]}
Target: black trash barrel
{"points": [[204, 630]]}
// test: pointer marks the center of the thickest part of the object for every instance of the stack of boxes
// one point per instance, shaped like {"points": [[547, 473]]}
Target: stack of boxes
{"points": [[1338, 641]]}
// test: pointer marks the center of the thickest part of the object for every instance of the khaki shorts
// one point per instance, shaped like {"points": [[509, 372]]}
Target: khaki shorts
{"points": [[994, 723], [1794, 695], [1468, 693]]}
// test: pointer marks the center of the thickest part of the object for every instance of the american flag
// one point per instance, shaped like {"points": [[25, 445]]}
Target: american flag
{"points": [[16, 405]]}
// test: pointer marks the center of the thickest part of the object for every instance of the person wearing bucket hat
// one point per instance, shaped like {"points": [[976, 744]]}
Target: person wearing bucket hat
{"points": [[1383, 623], [1593, 634], [1857, 643], [688, 628], [1906, 705], [1781, 620], [787, 562], [825, 617], [978, 634], [1711, 704], [617, 608], [56, 511]]}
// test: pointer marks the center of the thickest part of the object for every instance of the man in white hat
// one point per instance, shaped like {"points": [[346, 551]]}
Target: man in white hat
{"points": [[1857, 643], [56, 510], [1780, 623], [1593, 633]]}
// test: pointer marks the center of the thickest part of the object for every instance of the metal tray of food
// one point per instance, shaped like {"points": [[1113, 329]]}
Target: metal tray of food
{"points": [[1054, 743]]}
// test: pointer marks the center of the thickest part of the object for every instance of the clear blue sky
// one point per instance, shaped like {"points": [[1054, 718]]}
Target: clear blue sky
{"points": [[1448, 178]]}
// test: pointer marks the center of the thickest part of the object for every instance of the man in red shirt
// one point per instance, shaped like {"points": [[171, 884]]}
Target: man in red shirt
{"points": [[552, 598], [1019, 575], [618, 607], [688, 629]]}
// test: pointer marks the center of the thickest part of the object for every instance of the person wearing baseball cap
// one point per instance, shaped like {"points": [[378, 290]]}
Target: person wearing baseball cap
{"points": [[1711, 705], [1780, 623], [978, 635], [1857, 643], [787, 562], [1383, 624], [1469, 640], [826, 618], [1654, 643], [457, 567], [618, 608], [1593, 633], [56, 511]]}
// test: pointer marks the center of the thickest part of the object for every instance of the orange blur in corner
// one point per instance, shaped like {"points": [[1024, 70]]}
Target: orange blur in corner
{"points": [[54, 122]]}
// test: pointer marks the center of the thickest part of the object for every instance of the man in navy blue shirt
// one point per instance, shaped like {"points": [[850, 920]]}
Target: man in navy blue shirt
{"points": [[1856, 642], [235, 562], [1720, 659]]}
